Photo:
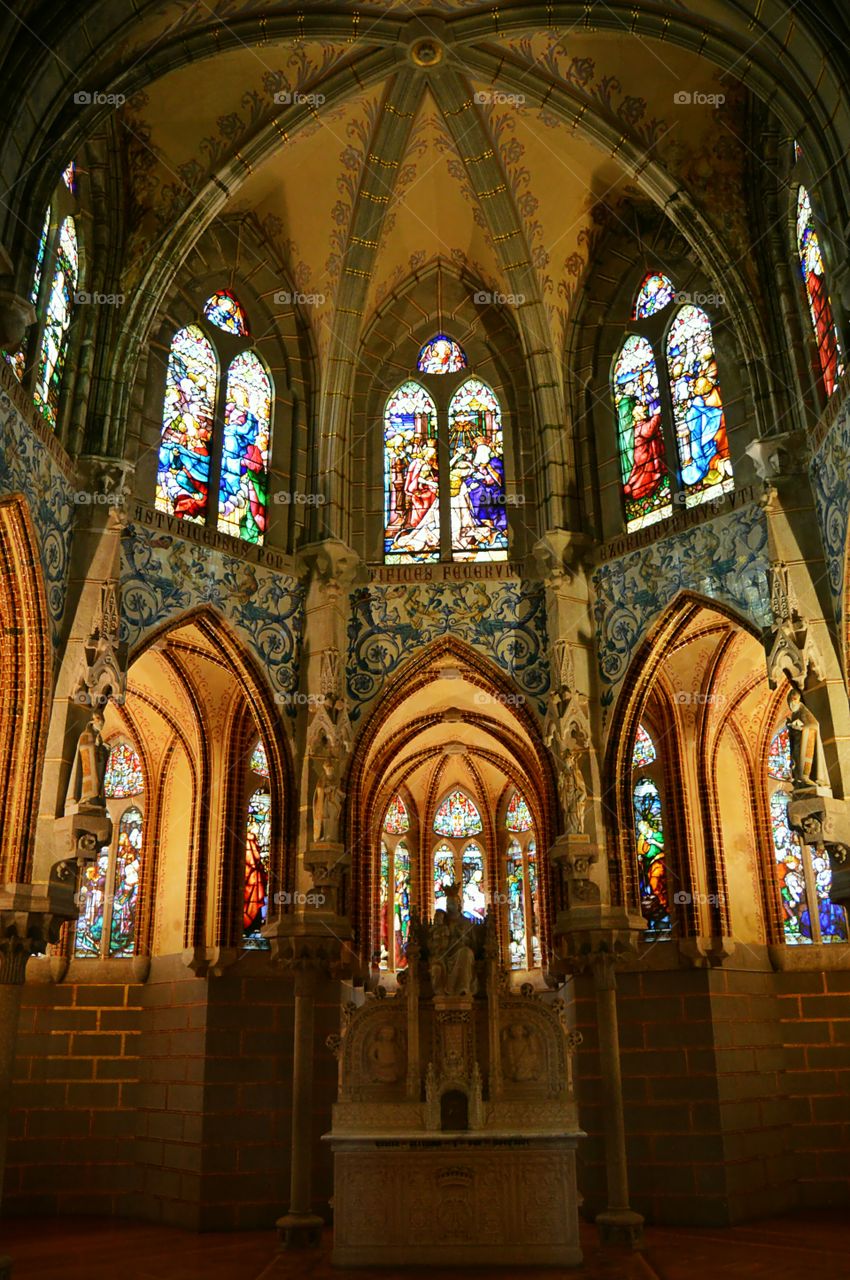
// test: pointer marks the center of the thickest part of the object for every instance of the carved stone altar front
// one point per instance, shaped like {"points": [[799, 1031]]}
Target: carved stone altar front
{"points": [[455, 1131]]}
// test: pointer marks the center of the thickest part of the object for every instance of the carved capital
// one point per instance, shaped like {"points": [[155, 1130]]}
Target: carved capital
{"points": [[330, 564], [778, 457], [312, 947], [561, 554], [106, 487], [577, 856]]}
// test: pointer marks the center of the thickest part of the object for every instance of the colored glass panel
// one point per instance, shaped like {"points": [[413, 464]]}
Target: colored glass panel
{"points": [[124, 775], [441, 354], [656, 293], [704, 463], [411, 477], [18, 359], [244, 483], [259, 761], [69, 177], [652, 866], [779, 757], [401, 903], [640, 440], [536, 953], [125, 896], [396, 820], [644, 750], [820, 307], [518, 817], [255, 899], [458, 817], [88, 938], [182, 482], [831, 917], [474, 901], [444, 874], [383, 905], [226, 312], [517, 949], [57, 321], [797, 924], [479, 517]]}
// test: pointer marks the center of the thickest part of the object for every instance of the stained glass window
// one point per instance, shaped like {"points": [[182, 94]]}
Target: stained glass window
{"points": [[88, 938], [124, 775], [779, 757], [411, 477], [477, 474], [654, 295], [383, 905], [517, 949], [536, 953], [255, 899], [243, 487], [790, 872], [704, 462], [259, 761], [183, 474], [518, 817], [57, 321], [39, 259], [652, 867], [457, 817], [644, 750], [396, 820], [820, 307], [225, 311], [474, 902], [69, 177], [444, 874], [401, 903], [441, 354], [640, 440], [128, 861], [832, 918]]}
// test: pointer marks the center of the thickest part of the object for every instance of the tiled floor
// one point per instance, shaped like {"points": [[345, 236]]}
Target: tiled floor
{"points": [[813, 1246]]}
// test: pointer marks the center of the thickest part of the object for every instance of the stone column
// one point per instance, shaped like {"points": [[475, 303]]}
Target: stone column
{"points": [[300, 1227]]}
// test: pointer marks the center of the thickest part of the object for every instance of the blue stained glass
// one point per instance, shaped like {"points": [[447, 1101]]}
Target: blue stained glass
{"points": [[226, 312], [644, 749], [797, 925], [820, 306], [656, 293], [640, 439], [411, 477], [125, 898], [243, 488], [441, 354], [124, 775], [698, 416], [651, 855], [182, 485], [474, 902], [444, 874], [57, 321], [383, 906], [401, 903], [88, 938], [479, 517], [517, 949]]}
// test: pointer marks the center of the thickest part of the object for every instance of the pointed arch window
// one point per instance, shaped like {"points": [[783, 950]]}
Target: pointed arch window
{"points": [[441, 354], [444, 480], [457, 817], [57, 322], [216, 425], [18, 359], [396, 886], [830, 355], [109, 886], [255, 889], [671, 430], [802, 871], [652, 868], [474, 894], [521, 905]]}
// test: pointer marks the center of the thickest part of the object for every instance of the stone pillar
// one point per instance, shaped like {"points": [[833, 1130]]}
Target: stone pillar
{"points": [[300, 1227]]}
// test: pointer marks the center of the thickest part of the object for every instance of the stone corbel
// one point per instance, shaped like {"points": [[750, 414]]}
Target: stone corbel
{"points": [[330, 564], [778, 457], [705, 952], [210, 962], [106, 484], [327, 862], [561, 554], [31, 918], [578, 857], [16, 316]]}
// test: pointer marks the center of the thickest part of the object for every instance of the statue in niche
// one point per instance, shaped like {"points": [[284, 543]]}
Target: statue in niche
{"points": [[451, 955], [88, 773], [572, 791], [383, 1056], [521, 1053], [327, 804], [806, 748]]}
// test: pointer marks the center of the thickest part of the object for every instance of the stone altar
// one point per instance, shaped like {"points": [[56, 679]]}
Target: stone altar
{"points": [[455, 1131]]}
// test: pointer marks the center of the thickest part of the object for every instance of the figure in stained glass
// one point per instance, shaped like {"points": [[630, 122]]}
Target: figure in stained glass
{"points": [[444, 874], [383, 906], [259, 762], [699, 419], [643, 466], [225, 311], [656, 293], [57, 321], [396, 819], [474, 902], [128, 860], [243, 487], [791, 876], [518, 817], [124, 775], [441, 354], [18, 359], [517, 948], [401, 903], [652, 869], [479, 520], [69, 177], [257, 854], [820, 307], [182, 486], [411, 477], [88, 938], [457, 817]]}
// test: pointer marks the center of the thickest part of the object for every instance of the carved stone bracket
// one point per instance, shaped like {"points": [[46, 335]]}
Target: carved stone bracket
{"points": [[314, 947], [31, 917], [778, 457], [16, 315], [790, 650], [577, 856]]}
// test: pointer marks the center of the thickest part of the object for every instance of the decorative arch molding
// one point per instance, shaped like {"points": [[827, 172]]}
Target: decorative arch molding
{"points": [[26, 665], [533, 770]]}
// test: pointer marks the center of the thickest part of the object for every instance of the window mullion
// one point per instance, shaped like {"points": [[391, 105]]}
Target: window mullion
{"points": [[109, 887], [444, 460], [668, 425], [216, 446], [811, 891]]}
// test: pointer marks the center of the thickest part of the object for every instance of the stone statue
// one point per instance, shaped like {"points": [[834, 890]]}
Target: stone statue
{"points": [[89, 769], [327, 804], [573, 794], [807, 760], [383, 1056], [451, 957], [521, 1053]]}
